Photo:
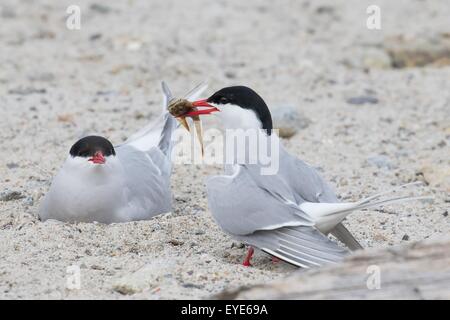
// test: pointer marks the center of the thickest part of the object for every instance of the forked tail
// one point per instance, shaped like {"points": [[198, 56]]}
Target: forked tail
{"points": [[328, 215]]}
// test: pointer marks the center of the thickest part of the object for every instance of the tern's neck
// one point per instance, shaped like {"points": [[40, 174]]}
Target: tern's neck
{"points": [[235, 117]]}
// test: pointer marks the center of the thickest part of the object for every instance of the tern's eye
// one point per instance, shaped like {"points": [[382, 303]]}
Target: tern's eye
{"points": [[83, 153], [223, 100]]}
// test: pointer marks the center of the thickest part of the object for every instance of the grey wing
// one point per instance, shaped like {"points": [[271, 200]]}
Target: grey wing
{"points": [[147, 180], [241, 207], [169, 123], [265, 216], [307, 184], [303, 183], [157, 133], [301, 246], [304, 180]]}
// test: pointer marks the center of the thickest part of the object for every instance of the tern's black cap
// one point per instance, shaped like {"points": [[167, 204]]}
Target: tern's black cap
{"points": [[246, 98], [88, 146]]}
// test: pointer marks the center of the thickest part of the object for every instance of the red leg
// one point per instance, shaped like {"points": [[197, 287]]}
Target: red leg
{"points": [[275, 259], [248, 257]]}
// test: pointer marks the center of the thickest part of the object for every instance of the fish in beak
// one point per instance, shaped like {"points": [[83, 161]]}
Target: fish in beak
{"points": [[183, 108]]}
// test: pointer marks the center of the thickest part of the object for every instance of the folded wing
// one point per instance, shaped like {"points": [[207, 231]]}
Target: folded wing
{"points": [[264, 213]]}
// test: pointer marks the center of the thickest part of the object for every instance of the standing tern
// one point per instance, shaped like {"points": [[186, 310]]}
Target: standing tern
{"points": [[288, 214], [105, 183]]}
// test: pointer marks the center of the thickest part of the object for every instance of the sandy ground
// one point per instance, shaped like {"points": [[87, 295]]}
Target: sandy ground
{"points": [[58, 84]]}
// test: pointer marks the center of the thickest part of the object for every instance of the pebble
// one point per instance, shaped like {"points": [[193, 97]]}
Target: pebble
{"points": [[100, 8], [405, 237], [238, 245], [44, 77], [27, 91], [29, 201], [12, 165], [437, 175], [7, 13], [10, 195], [192, 285], [288, 121], [362, 100], [175, 242], [95, 36], [380, 161], [230, 75], [426, 49]]}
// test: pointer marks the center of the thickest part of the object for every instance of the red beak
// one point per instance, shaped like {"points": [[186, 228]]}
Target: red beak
{"points": [[201, 103], [98, 158]]}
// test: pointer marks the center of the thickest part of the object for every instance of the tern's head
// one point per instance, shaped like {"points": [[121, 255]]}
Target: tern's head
{"points": [[238, 107], [92, 151]]}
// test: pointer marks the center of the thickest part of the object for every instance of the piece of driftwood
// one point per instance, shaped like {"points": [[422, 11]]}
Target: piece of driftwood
{"points": [[416, 271]]}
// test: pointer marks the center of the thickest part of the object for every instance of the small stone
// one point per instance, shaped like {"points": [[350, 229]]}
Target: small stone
{"points": [[288, 121], [67, 118], [134, 45], [100, 8], [12, 165], [139, 115], [126, 289], [380, 161], [199, 232], [192, 285], [325, 10], [437, 175], [362, 100], [10, 195], [230, 74], [181, 199], [104, 92], [29, 201], [27, 91], [418, 51], [44, 34], [445, 214], [238, 245], [176, 242], [97, 267], [193, 244], [405, 237], [44, 77], [7, 13], [95, 36]]}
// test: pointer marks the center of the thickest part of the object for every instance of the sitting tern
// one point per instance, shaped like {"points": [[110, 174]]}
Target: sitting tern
{"points": [[105, 183], [288, 214]]}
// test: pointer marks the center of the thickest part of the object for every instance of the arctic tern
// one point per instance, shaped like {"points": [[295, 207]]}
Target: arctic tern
{"points": [[105, 183], [288, 214]]}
